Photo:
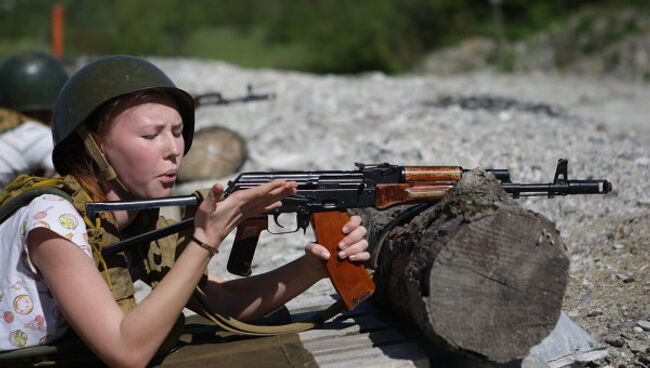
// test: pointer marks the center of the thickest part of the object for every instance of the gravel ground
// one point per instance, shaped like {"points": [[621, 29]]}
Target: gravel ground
{"points": [[520, 122]]}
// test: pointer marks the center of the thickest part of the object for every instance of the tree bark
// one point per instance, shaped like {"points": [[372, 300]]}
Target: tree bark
{"points": [[476, 273]]}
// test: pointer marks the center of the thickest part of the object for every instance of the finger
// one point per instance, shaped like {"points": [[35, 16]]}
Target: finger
{"points": [[265, 196], [359, 257], [355, 236], [318, 250], [273, 199], [354, 222], [273, 206], [215, 192], [354, 249], [214, 195], [274, 191], [277, 187]]}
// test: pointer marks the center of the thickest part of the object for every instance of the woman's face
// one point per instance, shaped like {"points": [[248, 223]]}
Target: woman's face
{"points": [[144, 145]]}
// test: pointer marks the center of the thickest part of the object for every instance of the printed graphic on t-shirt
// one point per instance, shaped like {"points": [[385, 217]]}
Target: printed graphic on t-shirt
{"points": [[29, 314], [18, 338], [23, 304], [62, 218]]}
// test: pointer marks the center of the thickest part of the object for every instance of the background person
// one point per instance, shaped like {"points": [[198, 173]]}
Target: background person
{"points": [[29, 84]]}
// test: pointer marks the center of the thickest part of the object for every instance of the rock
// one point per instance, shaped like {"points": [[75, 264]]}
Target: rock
{"points": [[637, 346], [615, 341], [645, 325], [594, 313]]}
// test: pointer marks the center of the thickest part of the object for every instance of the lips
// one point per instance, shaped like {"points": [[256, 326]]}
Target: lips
{"points": [[168, 177]]}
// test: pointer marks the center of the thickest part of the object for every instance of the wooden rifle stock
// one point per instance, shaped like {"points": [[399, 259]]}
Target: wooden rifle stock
{"points": [[351, 280]]}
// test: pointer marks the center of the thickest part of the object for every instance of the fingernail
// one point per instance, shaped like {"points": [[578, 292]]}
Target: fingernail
{"points": [[341, 254], [325, 254], [342, 245], [346, 230]]}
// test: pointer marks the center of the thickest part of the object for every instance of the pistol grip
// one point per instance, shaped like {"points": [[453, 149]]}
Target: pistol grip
{"points": [[351, 280], [243, 249]]}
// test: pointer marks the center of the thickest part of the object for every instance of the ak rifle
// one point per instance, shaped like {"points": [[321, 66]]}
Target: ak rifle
{"points": [[216, 98], [323, 198]]}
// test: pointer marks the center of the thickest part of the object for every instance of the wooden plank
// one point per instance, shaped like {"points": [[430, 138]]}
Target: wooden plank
{"points": [[399, 355], [360, 338], [353, 342], [343, 328]]}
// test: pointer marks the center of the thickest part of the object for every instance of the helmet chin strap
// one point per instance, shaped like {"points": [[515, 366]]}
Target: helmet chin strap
{"points": [[105, 169]]}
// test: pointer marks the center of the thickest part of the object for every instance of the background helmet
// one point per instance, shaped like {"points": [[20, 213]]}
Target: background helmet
{"points": [[103, 80], [31, 81]]}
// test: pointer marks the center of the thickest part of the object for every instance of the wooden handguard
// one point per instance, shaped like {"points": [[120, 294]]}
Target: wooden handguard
{"points": [[392, 194], [351, 280], [432, 173], [243, 249]]}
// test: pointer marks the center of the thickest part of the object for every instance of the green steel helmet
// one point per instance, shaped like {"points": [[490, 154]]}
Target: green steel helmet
{"points": [[31, 81], [104, 80]]}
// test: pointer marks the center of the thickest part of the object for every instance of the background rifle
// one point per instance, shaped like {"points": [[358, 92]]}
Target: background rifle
{"points": [[216, 98], [323, 198]]}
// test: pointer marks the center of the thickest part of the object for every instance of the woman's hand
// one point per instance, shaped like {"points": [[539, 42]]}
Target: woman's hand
{"points": [[215, 219], [353, 247]]}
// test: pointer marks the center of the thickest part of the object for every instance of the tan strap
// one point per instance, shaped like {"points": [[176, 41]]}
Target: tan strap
{"points": [[241, 328], [105, 169]]}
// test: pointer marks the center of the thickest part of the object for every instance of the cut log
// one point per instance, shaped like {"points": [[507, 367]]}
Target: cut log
{"points": [[216, 152], [476, 273]]}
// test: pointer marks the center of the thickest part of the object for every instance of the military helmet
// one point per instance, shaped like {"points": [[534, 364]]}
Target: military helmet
{"points": [[104, 80], [31, 81]]}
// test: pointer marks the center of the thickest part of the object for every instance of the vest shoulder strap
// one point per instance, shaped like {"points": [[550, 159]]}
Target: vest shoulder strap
{"points": [[12, 205]]}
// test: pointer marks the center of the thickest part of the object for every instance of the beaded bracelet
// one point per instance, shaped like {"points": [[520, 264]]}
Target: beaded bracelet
{"points": [[212, 250]]}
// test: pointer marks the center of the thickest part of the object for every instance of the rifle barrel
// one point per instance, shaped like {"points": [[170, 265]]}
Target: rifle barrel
{"points": [[561, 188]]}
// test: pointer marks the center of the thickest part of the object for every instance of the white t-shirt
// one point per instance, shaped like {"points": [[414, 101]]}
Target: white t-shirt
{"points": [[23, 149], [29, 314]]}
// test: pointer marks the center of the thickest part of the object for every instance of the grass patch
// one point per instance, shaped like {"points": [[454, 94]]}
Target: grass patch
{"points": [[9, 47], [245, 48]]}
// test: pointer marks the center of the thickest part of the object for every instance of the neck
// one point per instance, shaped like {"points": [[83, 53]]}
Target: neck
{"points": [[123, 218]]}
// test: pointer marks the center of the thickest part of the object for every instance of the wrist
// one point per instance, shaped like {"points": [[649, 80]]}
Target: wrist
{"points": [[212, 249]]}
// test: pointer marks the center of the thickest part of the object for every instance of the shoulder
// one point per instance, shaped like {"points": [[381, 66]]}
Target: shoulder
{"points": [[32, 127], [58, 215], [51, 202]]}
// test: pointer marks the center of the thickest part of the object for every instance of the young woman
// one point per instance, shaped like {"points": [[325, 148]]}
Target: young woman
{"points": [[120, 129]]}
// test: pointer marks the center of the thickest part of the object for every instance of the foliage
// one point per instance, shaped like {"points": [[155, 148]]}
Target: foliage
{"points": [[326, 36]]}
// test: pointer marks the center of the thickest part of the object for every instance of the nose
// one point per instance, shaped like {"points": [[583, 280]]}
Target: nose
{"points": [[174, 146]]}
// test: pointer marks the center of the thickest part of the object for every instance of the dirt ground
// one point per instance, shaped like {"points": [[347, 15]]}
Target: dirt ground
{"points": [[610, 298]]}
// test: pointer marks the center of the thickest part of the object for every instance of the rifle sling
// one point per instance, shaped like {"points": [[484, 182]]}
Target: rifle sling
{"points": [[241, 328]]}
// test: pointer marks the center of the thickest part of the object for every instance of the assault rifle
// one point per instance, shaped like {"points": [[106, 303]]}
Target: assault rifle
{"points": [[323, 198], [216, 98]]}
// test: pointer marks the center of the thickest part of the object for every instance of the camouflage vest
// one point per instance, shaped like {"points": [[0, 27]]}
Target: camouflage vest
{"points": [[10, 119], [150, 263]]}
